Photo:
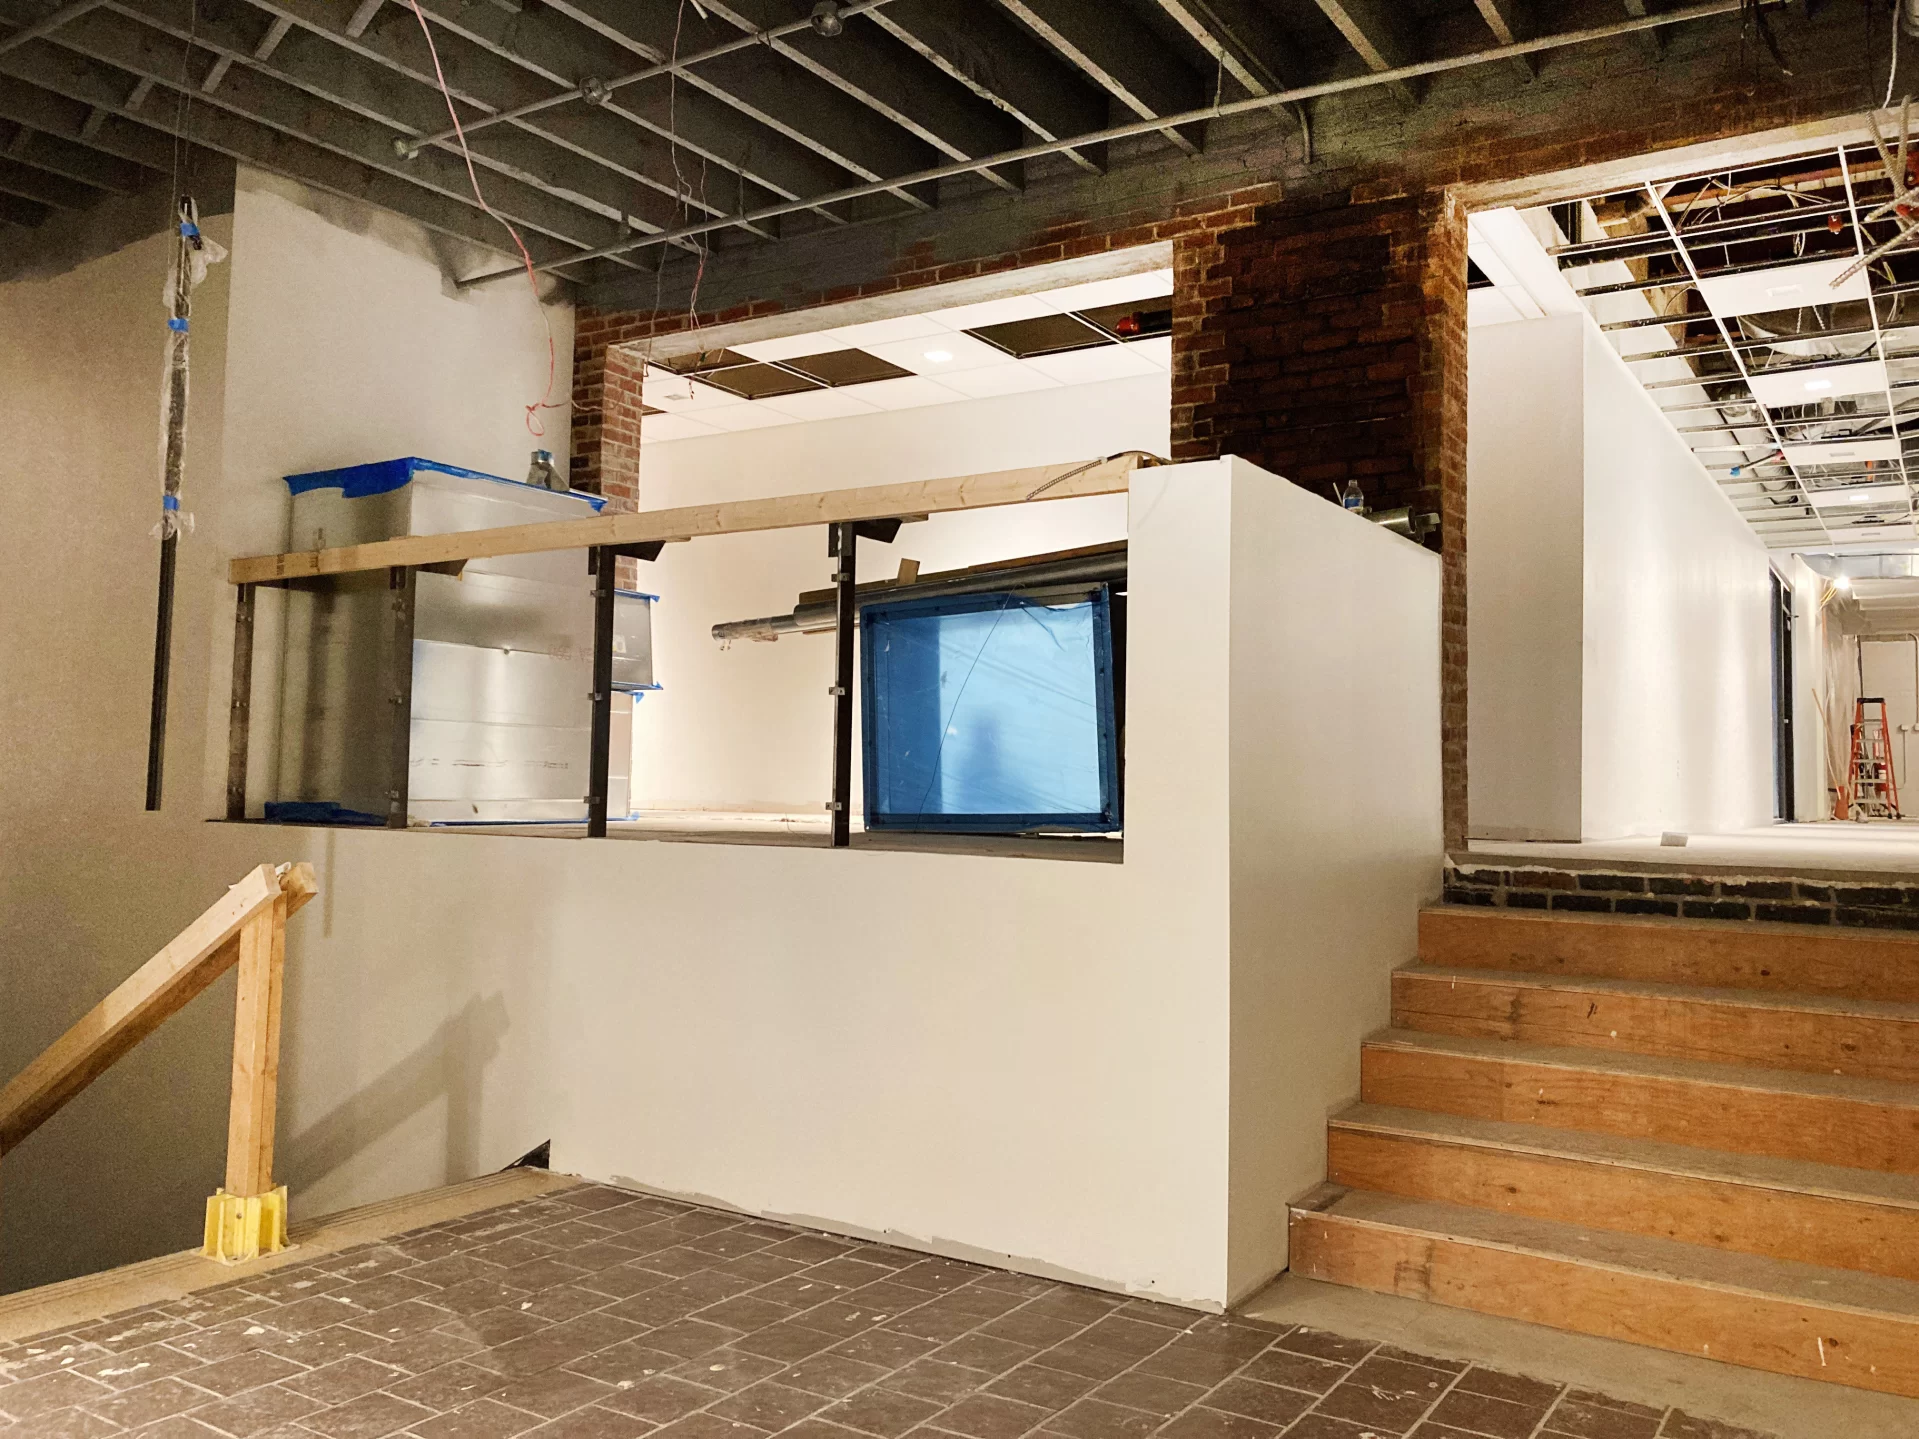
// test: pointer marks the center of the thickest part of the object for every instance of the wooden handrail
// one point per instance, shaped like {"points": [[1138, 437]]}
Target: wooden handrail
{"points": [[732, 517], [245, 926]]}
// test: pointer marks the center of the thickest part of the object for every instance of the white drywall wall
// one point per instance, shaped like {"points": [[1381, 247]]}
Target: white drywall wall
{"points": [[1335, 796], [1619, 671], [995, 1056], [416, 984], [750, 727], [1677, 693], [1525, 478]]}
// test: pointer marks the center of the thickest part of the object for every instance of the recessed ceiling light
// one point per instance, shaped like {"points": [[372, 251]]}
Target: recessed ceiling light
{"points": [[1784, 287], [1807, 385], [939, 357], [1849, 453], [1892, 496]]}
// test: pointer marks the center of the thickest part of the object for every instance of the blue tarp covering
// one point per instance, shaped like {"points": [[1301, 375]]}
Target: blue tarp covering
{"points": [[990, 713], [356, 482]]}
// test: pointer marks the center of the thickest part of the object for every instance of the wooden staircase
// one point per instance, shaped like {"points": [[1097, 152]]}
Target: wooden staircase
{"points": [[1701, 1136]]}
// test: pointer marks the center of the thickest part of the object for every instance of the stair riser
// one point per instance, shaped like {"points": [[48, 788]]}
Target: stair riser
{"points": [[1730, 956], [1722, 1214], [1855, 1133], [1871, 1047], [1876, 1351]]}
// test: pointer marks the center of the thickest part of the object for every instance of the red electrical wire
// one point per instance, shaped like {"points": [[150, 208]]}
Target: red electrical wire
{"points": [[545, 402]]}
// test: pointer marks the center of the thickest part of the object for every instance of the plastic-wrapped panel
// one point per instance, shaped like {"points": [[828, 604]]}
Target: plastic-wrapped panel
{"points": [[990, 713]]}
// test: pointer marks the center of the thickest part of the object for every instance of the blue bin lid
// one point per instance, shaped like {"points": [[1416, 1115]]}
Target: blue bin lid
{"points": [[357, 482]]}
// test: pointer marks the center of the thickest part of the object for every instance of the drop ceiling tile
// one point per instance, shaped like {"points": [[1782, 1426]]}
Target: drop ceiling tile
{"points": [[1841, 452], [1784, 287], [679, 395], [1121, 290], [1015, 379], [1828, 382], [820, 404], [1086, 367], [1157, 352], [789, 348], [907, 394], [880, 332], [663, 428], [754, 415], [993, 312], [963, 353]]}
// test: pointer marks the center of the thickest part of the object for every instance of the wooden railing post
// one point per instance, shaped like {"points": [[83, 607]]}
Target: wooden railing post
{"points": [[247, 1217]]}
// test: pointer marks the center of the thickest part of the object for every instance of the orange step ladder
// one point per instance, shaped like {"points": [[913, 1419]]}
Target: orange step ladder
{"points": [[1872, 789]]}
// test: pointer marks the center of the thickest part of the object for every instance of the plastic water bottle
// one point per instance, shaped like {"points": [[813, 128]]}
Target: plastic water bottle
{"points": [[1350, 497]]}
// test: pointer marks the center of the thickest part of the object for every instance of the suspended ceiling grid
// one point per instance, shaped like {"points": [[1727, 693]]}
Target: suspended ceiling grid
{"points": [[1796, 389]]}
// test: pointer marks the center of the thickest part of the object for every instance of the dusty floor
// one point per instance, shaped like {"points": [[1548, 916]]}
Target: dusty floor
{"points": [[594, 1313], [1831, 846]]}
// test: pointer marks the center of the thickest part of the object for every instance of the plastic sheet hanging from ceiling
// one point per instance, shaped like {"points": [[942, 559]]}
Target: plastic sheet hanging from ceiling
{"points": [[991, 713]]}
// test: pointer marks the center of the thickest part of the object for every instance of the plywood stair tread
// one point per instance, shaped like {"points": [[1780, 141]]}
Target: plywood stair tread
{"points": [[1626, 1065], [1797, 1176], [1895, 940], [1747, 1276], [1777, 1000]]}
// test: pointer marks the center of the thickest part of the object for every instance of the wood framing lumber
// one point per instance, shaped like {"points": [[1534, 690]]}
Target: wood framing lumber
{"points": [[256, 1052], [197, 956], [877, 502]]}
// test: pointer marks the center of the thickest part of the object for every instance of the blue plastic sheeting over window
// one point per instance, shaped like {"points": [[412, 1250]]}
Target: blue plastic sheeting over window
{"points": [[990, 713]]}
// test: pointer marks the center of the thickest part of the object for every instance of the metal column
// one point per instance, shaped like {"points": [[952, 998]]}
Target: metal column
{"points": [[843, 542], [240, 711], [604, 578], [162, 675], [400, 584]]}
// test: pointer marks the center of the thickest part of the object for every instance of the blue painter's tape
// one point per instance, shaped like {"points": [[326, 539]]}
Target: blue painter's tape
{"points": [[189, 229], [177, 324], [638, 595], [357, 482], [169, 502]]}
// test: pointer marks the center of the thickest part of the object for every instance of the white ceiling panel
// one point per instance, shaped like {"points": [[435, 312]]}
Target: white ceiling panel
{"points": [[1013, 379], [1784, 287], [820, 404], [1089, 367], [1828, 382], [961, 352], [907, 394]]}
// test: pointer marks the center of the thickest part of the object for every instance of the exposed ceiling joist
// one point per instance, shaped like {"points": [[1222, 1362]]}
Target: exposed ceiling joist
{"points": [[761, 85], [74, 159], [980, 48], [25, 182], [56, 91], [265, 100], [1119, 54], [1509, 23], [1376, 32], [309, 64], [864, 62], [1243, 37]]}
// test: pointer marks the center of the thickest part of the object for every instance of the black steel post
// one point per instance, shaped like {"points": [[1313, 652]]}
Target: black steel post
{"points": [[400, 584], [240, 712], [162, 676], [601, 558], [843, 543]]}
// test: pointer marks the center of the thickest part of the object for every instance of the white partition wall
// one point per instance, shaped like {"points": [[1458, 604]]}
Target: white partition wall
{"points": [[1119, 1073]]}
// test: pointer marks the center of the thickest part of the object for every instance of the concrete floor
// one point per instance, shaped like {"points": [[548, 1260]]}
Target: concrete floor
{"points": [[1830, 846], [1772, 1403]]}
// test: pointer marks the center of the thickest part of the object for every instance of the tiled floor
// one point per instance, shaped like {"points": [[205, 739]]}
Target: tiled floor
{"points": [[593, 1313]]}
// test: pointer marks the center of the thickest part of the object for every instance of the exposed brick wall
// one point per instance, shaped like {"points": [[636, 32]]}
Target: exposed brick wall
{"points": [[1325, 340], [1346, 273], [1772, 897]]}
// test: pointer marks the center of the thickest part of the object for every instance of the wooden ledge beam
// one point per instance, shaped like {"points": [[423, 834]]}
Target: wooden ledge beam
{"points": [[876, 502]]}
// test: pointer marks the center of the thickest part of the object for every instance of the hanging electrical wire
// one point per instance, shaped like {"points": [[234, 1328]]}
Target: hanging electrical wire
{"points": [[546, 401]]}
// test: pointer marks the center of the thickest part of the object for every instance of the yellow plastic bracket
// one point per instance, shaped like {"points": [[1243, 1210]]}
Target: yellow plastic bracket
{"points": [[241, 1229]]}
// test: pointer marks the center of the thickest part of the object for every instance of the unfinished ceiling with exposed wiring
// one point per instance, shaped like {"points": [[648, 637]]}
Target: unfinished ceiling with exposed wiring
{"points": [[611, 132], [1772, 312]]}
